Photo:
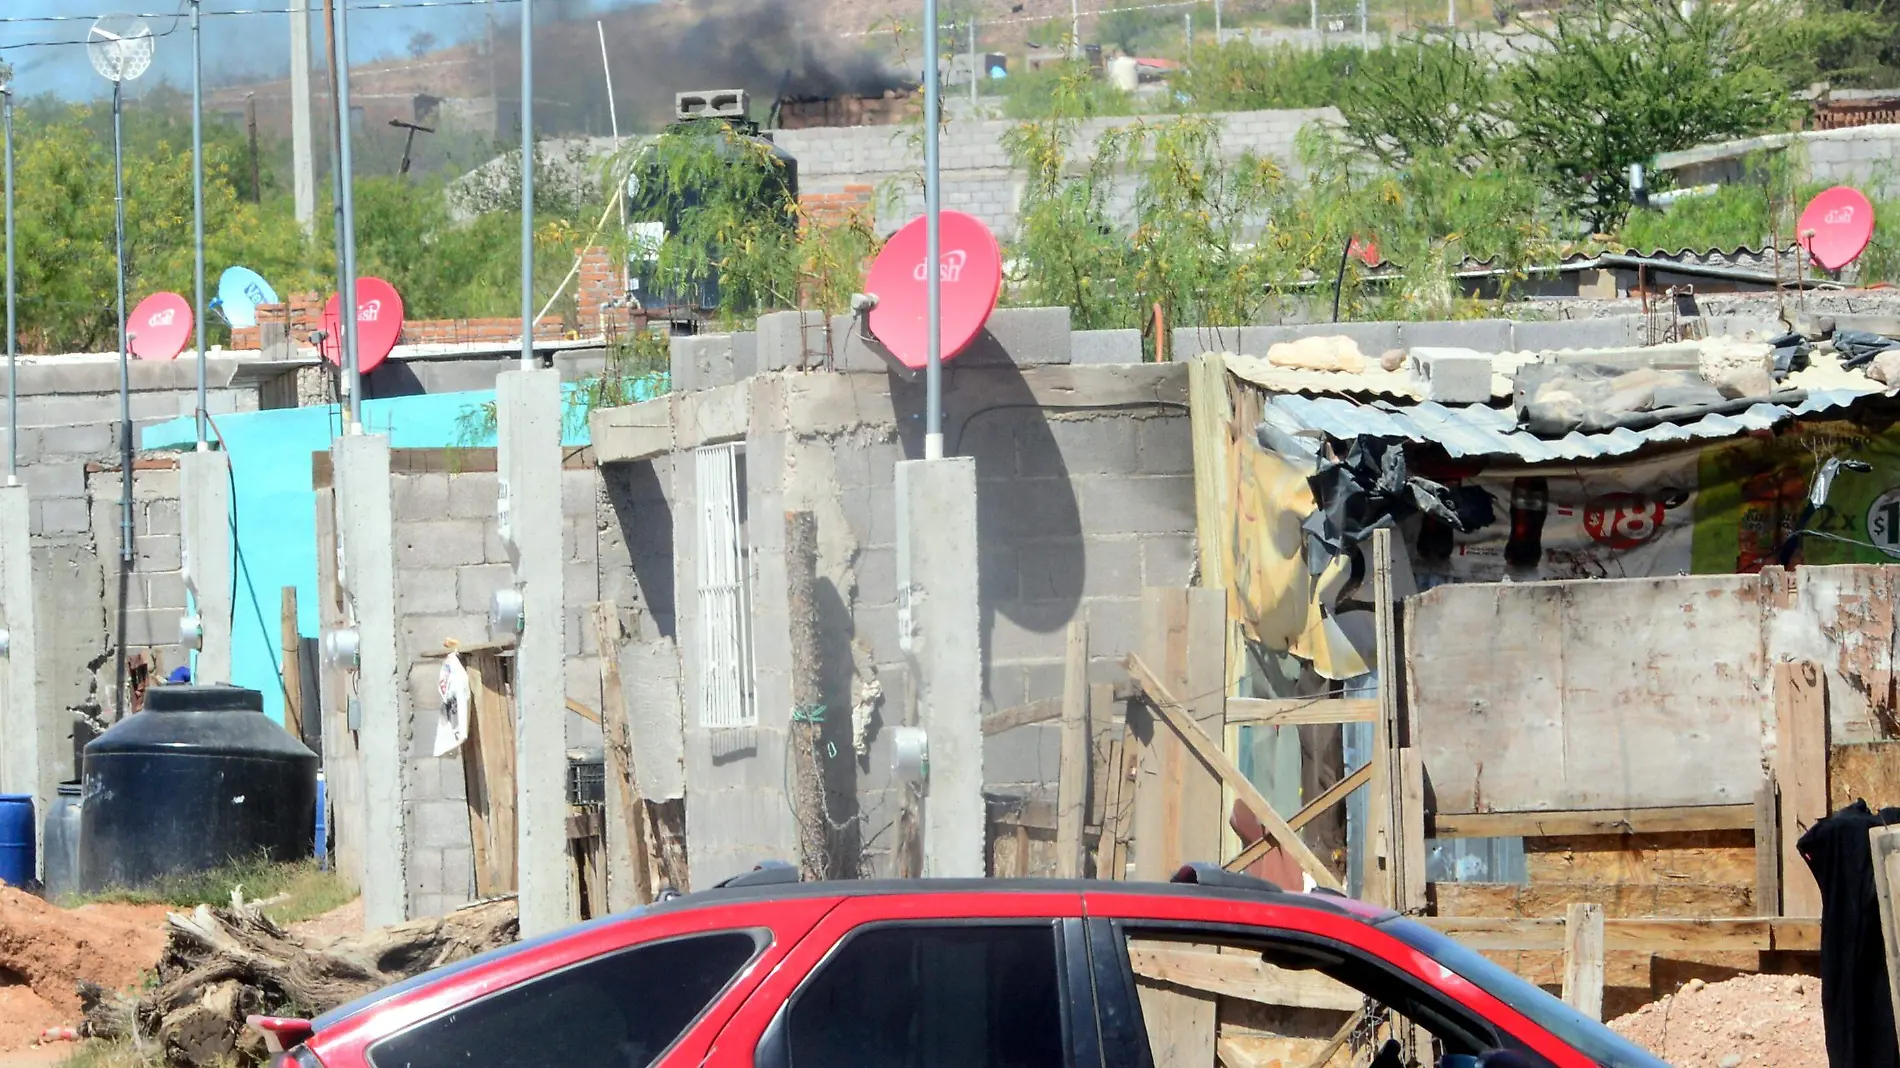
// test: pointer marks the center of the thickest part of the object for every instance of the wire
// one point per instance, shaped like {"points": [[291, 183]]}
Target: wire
{"points": [[391, 5]]}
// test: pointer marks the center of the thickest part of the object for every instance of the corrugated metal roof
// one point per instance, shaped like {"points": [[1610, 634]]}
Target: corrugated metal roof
{"points": [[1476, 430]]}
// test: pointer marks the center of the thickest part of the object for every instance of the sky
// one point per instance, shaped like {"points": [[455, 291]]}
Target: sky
{"points": [[47, 56]]}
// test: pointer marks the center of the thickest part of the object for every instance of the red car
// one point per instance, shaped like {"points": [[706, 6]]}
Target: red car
{"points": [[767, 972]]}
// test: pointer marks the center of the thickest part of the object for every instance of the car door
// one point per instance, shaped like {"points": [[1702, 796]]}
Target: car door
{"points": [[1189, 982], [982, 979]]}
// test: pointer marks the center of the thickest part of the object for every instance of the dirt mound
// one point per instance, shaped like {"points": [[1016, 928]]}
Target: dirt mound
{"points": [[45, 951], [1745, 1021]]}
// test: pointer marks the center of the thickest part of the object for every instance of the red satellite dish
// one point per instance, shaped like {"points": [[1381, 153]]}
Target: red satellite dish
{"points": [[159, 326], [378, 324], [1836, 226], [972, 278], [1366, 248]]}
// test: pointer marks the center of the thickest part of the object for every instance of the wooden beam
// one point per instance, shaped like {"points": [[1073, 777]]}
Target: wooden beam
{"points": [[488, 768], [1800, 775], [1045, 710], [1593, 821], [617, 732], [583, 711], [1382, 861], [1312, 809], [1583, 959], [1223, 767], [1072, 786], [1885, 843], [1411, 787], [1767, 850], [1264, 712], [1743, 934], [1239, 975], [292, 642]]}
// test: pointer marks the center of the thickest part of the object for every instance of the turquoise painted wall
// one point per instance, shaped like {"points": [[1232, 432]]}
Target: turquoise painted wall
{"points": [[275, 505]]}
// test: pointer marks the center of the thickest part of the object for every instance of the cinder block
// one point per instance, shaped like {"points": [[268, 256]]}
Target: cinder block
{"points": [[1011, 638], [152, 626], [877, 577], [1112, 568], [165, 589], [1452, 376], [1167, 559], [57, 480], [998, 577], [580, 584], [855, 350], [458, 869], [1105, 347], [745, 355], [1164, 445], [1611, 332], [1186, 342], [426, 634], [1480, 335], [59, 515], [158, 552], [1114, 626], [476, 584], [423, 496], [1028, 509], [1148, 504], [470, 496], [1023, 337], [706, 360], [1031, 754], [1086, 443], [161, 517], [578, 494], [440, 543], [84, 441], [790, 339], [439, 824], [426, 592]]}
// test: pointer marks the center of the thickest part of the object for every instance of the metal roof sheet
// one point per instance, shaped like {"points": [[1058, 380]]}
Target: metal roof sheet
{"points": [[1476, 430]]}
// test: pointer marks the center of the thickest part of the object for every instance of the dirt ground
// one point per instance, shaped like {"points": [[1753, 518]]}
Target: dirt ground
{"points": [[45, 951], [1746, 1021]]}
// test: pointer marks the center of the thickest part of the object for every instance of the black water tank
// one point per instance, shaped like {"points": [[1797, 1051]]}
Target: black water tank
{"points": [[201, 777]]}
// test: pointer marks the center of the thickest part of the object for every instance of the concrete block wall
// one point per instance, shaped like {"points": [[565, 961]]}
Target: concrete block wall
{"points": [[1482, 335], [155, 585], [450, 560]]}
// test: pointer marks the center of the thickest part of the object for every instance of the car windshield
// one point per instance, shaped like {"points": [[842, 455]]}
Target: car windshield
{"points": [[1585, 1035]]}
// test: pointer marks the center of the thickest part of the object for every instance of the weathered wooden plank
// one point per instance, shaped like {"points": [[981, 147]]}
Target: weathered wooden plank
{"points": [[290, 641], [1583, 959], [1885, 843], [621, 770], [1689, 900], [1045, 710], [488, 770], [1158, 848], [1383, 862], [1599, 821], [1649, 936], [1800, 775], [1710, 857], [1412, 830], [1577, 696], [1239, 975], [1314, 808], [1291, 712], [1223, 766], [1073, 782], [1767, 850]]}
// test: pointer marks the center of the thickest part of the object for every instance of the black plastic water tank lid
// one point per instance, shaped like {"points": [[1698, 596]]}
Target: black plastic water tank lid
{"points": [[203, 699], [71, 789]]}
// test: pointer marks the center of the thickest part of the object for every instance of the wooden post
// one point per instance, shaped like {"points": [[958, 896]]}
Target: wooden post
{"points": [[1411, 838], [1885, 843], [1383, 845], [622, 773], [1583, 959], [292, 644], [1767, 850], [1800, 775], [808, 699], [1073, 787], [488, 768]]}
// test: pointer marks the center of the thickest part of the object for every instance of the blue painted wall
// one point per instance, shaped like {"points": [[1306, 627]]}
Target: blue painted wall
{"points": [[275, 505]]}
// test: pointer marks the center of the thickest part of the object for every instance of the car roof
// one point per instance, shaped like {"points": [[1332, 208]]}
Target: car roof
{"points": [[764, 892]]}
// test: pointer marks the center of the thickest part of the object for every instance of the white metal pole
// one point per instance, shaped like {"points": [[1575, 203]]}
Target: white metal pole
{"points": [[527, 185], [613, 115], [933, 241], [13, 369], [1217, 21], [1075, 26], [198, 208], [975, 74]]}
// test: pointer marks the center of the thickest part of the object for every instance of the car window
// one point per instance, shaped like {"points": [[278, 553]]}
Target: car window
{"points": [[620, 1010], [950, 996], [1213, 1000]]}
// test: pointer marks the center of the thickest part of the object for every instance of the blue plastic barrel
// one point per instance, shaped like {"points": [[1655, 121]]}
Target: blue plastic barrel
{"points": [[16, 840]]}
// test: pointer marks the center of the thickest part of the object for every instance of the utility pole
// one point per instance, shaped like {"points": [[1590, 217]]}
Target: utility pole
{"points": [[302, 162], [1075, 26], [1217, 22], [250, 121]]}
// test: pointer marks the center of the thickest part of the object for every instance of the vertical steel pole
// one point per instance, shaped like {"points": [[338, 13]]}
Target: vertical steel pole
{"points": [[13, 382], [1217, 22], [933, 242], [975, 69], [527, 185], [198, 206], [346, 237], [125, 396]]}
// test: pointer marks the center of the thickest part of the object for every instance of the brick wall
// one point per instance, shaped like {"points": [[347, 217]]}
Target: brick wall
{"points": [[450, 560], [832, 209]]}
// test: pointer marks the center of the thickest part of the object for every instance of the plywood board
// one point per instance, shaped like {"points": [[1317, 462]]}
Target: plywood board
{"points": [[1800, 776], [1705, 857], [1588, 695], [1237, 974]]}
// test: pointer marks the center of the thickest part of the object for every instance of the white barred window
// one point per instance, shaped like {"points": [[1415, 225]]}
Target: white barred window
{"points": [[726, 692]]}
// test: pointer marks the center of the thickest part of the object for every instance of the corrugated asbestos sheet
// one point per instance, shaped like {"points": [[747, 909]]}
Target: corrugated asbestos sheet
{"points": [[1475, 430]]}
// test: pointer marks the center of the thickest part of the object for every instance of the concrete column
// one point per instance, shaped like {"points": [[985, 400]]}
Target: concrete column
{"points": [[366, 560], [939, 631], [528, 458], [205, 504], [303, 171], [30, 722]]}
